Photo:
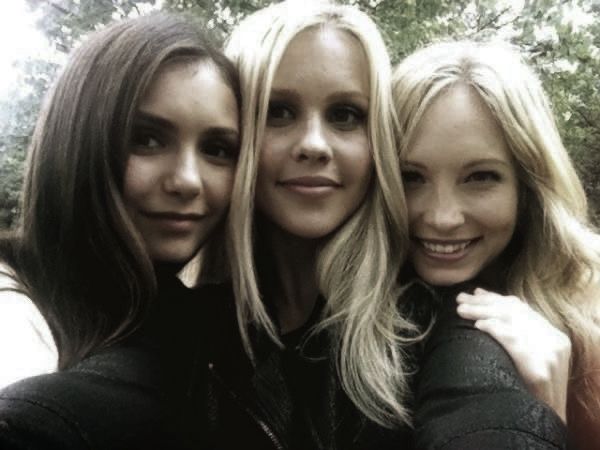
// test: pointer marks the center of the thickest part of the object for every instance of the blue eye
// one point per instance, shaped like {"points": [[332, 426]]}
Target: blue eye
{"points": [[483, 176], [346, 117], [279, 114]]}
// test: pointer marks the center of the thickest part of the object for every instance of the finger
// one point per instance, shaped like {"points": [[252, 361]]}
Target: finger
{"points": [[472, 299], [499, 330], [480, 311]]}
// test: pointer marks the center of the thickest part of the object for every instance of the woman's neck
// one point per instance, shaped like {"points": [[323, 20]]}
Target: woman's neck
{"points": [[294, 290]]}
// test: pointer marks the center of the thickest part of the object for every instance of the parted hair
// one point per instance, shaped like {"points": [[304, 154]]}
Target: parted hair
{"points": [[554, 261], [76, 251], [358, 266]]}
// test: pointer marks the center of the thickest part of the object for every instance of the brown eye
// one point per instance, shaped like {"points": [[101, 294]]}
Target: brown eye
{"points": [[220, 149], [145, 141]]}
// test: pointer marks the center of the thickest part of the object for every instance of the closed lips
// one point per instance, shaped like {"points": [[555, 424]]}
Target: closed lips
{"points": [[311, 181], [173, 216]]}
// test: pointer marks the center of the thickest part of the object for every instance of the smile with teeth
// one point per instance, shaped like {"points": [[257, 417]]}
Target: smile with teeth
{"points": [[445, 248]]}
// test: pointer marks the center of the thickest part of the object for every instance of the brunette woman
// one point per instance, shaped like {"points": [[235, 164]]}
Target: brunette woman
{"points": [[130, 172]]}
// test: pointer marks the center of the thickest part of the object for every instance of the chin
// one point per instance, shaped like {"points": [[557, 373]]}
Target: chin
{"points": [[307, 231], [443, 279], [172, 255]]}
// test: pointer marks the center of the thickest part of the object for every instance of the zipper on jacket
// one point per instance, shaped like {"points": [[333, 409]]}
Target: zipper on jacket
{"points": [[261, 423]]}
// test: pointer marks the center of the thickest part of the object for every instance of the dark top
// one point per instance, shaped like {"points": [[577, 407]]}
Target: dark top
{"points": [[146, 394], [469, 395], [290, 399], [137, 394]]}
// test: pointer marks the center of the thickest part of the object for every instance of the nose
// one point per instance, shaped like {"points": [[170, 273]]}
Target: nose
{"points": [[443, 210], [313, 144], [184, 178]]}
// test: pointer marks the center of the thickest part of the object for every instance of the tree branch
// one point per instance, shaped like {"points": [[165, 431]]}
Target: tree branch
{"points": [[492, 20], [59, 8], [589, 122]]}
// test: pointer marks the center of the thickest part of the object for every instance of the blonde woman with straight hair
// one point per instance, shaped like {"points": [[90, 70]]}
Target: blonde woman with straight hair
{"points": [[542, 284], [318, 224]]}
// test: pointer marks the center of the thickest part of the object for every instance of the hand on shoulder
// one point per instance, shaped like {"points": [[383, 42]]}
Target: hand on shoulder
{"points": [[540, 352]]}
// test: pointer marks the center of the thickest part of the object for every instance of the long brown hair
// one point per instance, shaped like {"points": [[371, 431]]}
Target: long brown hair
{"points": [[77, 253]]}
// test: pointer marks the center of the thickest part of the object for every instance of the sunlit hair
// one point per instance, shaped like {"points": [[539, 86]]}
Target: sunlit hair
{"points": [[554, 257], [358, 266], [77, 252]]}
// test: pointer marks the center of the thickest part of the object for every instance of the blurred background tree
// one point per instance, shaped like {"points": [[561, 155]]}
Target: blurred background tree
{"points": [[561, 38]]}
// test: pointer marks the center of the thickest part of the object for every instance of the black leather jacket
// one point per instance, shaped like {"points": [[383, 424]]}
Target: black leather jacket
{"points": [[291, 399], [139, 394], [176, 393], [468, 394]]}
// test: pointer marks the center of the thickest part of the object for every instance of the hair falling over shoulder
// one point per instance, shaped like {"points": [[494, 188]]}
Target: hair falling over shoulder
{"points": [[554, 257], [358, 267], [78, 254]]}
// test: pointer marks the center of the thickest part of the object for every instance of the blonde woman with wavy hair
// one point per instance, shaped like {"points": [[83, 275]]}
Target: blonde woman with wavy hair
{"points": [[542, 285], [327, 219]]}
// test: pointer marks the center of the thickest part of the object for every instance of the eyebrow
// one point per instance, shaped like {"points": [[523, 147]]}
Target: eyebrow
{"points": [[153, 120], [338, 95], [477, 162], [408, 163]]}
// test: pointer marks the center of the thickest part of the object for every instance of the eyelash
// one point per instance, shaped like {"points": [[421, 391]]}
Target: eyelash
{"points": [[484, 176], [140, 140], [411, 176], [280, 114], [481, 176], [215, 148], [276, 120], [227, 151], [357, 115]]}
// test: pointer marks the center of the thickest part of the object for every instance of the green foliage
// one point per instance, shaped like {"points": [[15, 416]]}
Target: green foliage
{"points": [[565, 53]]}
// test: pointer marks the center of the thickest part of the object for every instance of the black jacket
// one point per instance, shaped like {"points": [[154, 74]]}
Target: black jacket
{"points": [[291, 399], [469, 395], [147, 395], [136, 395]]}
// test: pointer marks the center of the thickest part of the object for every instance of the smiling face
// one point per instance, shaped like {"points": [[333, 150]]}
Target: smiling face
{"points": [[180, 168], [461, 189], [315, 163]]}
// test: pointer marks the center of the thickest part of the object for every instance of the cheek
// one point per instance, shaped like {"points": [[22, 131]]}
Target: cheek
{"points": [[416, 202], [217, 186], [270, 155], [357, 163], [500, 212], [138, 178]]}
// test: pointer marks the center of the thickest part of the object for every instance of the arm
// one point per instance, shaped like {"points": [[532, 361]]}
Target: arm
{"points": [[469, 395], [540, 351], [29, 420], [26, 344], [121, 399]]}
